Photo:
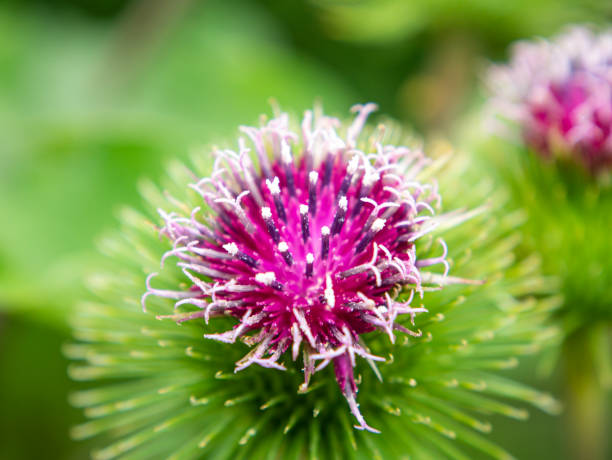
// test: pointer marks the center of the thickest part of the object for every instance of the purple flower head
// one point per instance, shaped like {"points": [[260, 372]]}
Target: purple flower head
{"points": [[309, 249], [560, 93]]}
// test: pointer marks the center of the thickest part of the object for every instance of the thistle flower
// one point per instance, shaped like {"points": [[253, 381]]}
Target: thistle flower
{"points": [[323, 249], [308, 251], [560, 94]]}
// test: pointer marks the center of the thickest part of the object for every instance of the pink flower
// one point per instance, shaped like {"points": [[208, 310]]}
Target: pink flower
{"points": [[309, 249], [560, 93]]}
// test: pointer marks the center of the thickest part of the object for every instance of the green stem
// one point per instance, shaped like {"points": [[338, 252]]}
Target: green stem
{"points": [[587, 417]]}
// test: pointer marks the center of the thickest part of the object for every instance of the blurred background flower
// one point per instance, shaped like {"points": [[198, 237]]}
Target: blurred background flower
{"points": [[558, 94], [96, 93], [552, 107]]}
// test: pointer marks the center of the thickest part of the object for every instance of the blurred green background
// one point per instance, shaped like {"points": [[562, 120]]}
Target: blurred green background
{"points": [[97, 94]]}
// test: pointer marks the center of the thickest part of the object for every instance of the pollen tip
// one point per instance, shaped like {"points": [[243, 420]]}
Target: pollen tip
{"points": [[266, 212], [266, 278], [353, 165], [231, 248], [370, 178], [273, 186], [286, 152], [378, 224]]}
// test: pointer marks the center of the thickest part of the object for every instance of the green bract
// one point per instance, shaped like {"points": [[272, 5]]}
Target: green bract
{"points": [[158, 389], [569, 218]]}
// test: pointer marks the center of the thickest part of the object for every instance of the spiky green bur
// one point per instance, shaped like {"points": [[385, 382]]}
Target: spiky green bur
{"points": [[568, 222], [161, 390]]}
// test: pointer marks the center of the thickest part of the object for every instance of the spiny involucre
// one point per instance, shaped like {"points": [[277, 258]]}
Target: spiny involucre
{"points": [[323, 249], [560, 93]]}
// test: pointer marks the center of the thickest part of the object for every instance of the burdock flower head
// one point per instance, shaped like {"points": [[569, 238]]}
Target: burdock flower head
{"points": [[308, 250], [308, 265], [560, 93]]}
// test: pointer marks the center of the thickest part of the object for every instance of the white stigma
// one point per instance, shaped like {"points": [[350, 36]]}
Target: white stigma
{"points": [[266, 213], [343, 203], [231, 248], [313, 177], [330, 298], [265, 278], [286, 152], [273, 186], [303, 209], [370, 178], [325, 230], [352, 166], [378, 225], [283, 247], [369, 302], [309, 258]]}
